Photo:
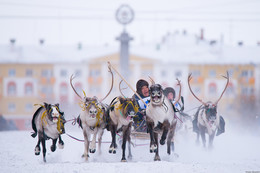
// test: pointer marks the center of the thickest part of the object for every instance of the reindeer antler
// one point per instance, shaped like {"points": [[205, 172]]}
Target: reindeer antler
{"points": [[179, 96], [151, 80], [226, 77], [120, 89], [71, 78], [189, 79], [109, 70]]}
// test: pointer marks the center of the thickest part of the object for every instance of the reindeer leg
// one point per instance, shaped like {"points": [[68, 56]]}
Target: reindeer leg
{"points": [[100, 134], [129, 145], [153, 147], [53, 146], [156, 157], [37, 149], [202, 133], [113, 146], [198, 138], [86, 143], [123, 145], [43, 146], [126, 137], [165, 132], [170, 143], [211, 138], [61, 143], [92, 148]]}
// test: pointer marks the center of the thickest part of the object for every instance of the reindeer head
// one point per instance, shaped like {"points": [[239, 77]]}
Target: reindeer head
{"points": [[210, 107], [210, 111], [55, 115], [93, 107], [128, 106], [156, 93], [52, 112]]}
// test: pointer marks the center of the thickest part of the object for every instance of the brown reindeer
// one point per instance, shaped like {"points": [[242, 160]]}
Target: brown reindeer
{"points": [[207, 120], [92, 119], [121, 112], [160, 113]]}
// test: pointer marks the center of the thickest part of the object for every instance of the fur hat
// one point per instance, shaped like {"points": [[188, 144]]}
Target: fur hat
{"points": [[139, 86], [168, 90]]}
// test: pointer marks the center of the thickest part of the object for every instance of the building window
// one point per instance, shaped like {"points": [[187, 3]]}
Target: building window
{"points": [[11, 89], [28, 88], [46, 73], [247, 73], [11, 107], [28, 73], [47, 90], [230, 72], [78, 73], [11, 72], [64, 92], [195, 73], [178, 74], [250, 73], [95, 73], [63, 89], [212, 73], [196, 90], [78, 87], [63, 73], [244, 91], [230, 89], [28, 107], [212, 88], [163, 73]]}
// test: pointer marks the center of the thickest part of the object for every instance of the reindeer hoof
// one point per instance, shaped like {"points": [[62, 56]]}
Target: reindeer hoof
{"points": [[157, 158], [37, 151], [84, 155], [130, 157], [53, 148], [153, 149], [112, 150], [61, 145], [92, 150], [123, 160], [162, 142]]}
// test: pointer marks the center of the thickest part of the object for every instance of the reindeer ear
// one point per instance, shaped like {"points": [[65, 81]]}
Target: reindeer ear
{"points": [[46, 105], [121, 99]]}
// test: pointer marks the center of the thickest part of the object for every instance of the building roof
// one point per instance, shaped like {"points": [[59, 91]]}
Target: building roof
{"points": [[175, 48], [51, 54]]}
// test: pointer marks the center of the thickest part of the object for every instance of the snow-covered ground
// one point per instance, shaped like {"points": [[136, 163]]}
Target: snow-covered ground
{"points": [[232, 152]]}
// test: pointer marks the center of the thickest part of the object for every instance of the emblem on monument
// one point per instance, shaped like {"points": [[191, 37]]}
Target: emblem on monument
{"points": [[124, 14]]}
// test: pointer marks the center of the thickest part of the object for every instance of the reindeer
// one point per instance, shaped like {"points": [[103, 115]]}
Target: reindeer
{"points": [[208, 120], [160, 111], [121, 112], [92, 119], [48, 122]]}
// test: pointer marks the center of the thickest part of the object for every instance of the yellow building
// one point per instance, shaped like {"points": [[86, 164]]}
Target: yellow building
{"points": [[23, 85]]}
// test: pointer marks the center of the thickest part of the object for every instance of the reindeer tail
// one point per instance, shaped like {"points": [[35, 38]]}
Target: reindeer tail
{"points": [[33, 122]]}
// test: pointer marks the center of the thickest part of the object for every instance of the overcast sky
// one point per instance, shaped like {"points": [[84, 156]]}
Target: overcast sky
{"points": [[92, 22]]}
